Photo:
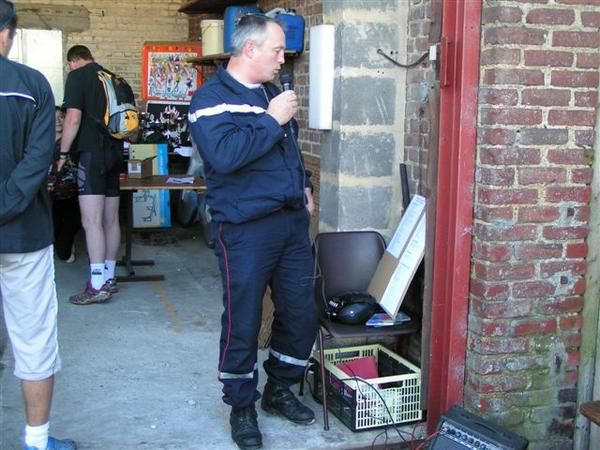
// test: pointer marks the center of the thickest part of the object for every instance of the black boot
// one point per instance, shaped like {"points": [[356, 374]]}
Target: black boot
{"points": [[244, 428], [280, 400]]}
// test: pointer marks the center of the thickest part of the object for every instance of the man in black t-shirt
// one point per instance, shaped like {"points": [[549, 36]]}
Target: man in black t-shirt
{"points": [[98, 156]]}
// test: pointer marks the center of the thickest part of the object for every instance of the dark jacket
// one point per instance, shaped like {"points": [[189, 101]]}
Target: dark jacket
{"points": [[27, 127], [253, 166]]}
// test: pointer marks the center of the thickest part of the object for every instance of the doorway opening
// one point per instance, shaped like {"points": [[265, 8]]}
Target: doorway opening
{"points": [[42, 50]]}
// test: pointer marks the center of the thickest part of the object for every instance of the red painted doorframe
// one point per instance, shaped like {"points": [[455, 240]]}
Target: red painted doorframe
{"points": [[459, 81]]}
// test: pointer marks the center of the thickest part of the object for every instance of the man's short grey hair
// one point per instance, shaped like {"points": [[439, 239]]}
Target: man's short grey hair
{"points": [[251, 27]]}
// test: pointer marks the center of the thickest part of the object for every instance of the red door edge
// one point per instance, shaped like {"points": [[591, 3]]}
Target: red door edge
{"points": [[461, 27]]}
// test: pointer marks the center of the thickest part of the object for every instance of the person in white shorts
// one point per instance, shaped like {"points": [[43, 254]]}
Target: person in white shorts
{"points": [[27, 289]]}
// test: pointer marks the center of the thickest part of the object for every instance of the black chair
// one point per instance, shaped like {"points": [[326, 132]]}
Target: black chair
{"points": [[345, 262]]}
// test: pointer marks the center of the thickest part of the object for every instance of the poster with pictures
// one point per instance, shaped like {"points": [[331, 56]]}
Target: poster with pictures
{"points": [[166, 72], [168, 118]]}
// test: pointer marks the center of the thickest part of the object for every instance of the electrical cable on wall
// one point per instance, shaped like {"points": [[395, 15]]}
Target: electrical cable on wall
{"points": [[405, 66]]}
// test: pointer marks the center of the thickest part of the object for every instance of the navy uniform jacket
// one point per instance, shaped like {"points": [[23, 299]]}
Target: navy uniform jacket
{"points": [[253, 167], [27, 129]]}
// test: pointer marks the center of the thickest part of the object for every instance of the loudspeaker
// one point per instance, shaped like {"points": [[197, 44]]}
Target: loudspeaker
{"points": [[459, 430]]}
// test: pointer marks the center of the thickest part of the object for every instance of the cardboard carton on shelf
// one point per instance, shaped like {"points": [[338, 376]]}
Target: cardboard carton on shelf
{"points": [[140, 168]]}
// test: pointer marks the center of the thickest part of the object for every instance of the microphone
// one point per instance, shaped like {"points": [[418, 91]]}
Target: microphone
{"points": [[287, 81], [287, 84]]}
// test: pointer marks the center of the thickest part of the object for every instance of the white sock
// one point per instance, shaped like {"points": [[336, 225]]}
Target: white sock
{"points": [[109, 269], [97, 275], [37, 436]]}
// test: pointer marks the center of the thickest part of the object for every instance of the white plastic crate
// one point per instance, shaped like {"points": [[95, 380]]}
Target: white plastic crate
{"points": [[375, 402]]}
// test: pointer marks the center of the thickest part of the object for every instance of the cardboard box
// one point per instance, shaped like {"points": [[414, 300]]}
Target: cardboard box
{"points": [[401, 259], [140, 168], [160, 164], [151, 207]]}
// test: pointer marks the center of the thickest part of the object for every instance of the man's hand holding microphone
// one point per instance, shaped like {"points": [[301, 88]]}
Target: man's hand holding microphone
{"points": [[282, 108]]}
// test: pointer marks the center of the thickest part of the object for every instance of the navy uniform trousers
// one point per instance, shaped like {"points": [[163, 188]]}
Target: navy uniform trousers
{"points": [[274, 250]]}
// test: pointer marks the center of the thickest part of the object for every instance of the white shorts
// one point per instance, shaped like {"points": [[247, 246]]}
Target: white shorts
{"points": [[28, 296]]}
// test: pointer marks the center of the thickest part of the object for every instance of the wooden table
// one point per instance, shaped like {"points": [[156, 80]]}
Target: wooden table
{"points": [[154, 182]]}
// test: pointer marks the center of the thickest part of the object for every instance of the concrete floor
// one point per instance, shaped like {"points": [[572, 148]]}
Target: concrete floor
{"points": [[140, 371]]}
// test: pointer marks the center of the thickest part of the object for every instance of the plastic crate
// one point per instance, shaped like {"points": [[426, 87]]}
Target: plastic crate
{"points": [[394, 397]]}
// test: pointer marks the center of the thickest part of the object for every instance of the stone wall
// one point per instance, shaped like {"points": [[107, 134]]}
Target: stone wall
{"points": [[537, 110]]}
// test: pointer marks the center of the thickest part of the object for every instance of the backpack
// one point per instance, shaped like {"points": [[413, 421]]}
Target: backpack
{"points": [[121, 118]]}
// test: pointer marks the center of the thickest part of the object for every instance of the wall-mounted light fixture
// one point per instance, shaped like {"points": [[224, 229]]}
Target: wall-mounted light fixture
{"points": [[321, 77]]}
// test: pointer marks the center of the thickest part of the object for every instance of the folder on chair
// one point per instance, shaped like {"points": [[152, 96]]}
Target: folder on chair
{"points": [[401, 259]]}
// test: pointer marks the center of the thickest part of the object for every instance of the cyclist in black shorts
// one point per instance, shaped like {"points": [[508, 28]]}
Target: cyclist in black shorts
{"points": [[99, 157]]}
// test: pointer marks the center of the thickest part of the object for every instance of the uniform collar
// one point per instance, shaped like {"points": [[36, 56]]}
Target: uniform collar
{"points": [[231, 82]]}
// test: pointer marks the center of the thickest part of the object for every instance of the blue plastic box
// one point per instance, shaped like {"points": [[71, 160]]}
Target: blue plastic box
{"points": [[232, 15], [294, 31]]}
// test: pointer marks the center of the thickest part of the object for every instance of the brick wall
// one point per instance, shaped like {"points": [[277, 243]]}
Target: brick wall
{"points": [[419, 82], [538, 95], [419, 148], [116, 30]]}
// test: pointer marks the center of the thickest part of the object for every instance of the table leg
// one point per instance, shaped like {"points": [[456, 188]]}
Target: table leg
{"points": [[127, 261]]}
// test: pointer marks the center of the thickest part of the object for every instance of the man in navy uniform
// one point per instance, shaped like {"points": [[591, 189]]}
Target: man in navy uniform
{"points": [[260, 200]]}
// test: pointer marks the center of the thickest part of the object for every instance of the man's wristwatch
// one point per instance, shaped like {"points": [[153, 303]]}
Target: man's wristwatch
{"points": [[63, 155]]}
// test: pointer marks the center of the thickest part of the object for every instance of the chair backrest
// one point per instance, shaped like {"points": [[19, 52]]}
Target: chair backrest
{"points": [[345, 261]]}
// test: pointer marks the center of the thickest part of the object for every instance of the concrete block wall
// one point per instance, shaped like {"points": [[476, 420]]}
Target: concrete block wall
{"points": [[538, 102], [360, 186], [113, 30]]}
